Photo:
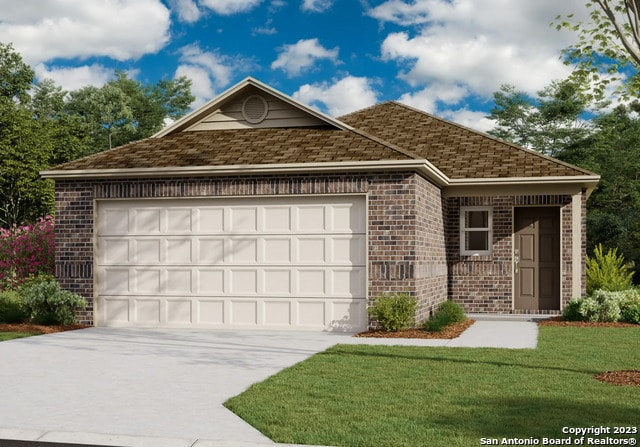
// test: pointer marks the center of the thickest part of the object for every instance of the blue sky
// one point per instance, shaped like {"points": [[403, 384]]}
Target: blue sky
{"points": [[446, 57]]}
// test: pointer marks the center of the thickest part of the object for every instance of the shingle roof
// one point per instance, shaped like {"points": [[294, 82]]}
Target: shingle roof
{"points": [[240, 147], [386, 132], [457, 151]]}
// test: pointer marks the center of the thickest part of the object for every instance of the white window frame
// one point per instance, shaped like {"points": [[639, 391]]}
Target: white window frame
{"points": [[464, 231]]}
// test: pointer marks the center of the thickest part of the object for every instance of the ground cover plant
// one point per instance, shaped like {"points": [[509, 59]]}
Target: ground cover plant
{"points": [[406, 396], [4, 336]]}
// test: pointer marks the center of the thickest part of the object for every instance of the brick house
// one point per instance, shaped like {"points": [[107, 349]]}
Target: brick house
{"points": [[256, 211]]}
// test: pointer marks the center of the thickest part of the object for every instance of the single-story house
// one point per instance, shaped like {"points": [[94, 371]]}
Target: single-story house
{"points": [[257, 211]]}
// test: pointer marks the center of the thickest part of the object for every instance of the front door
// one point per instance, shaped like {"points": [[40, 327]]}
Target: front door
{"points": [[537, 258]]}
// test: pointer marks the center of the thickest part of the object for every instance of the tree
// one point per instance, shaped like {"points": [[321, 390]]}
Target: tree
{"points": [[607, 45], [549, 124], [613, 210], [16, 77]]}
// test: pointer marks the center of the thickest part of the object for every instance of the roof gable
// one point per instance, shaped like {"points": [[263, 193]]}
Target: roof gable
{"points": [[251, 105]]}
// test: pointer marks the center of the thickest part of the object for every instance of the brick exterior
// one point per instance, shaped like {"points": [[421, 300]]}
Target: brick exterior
{"points": [[413, 240], [484, 283]]}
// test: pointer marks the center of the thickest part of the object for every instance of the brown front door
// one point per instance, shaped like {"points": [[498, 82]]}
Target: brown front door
{"points": [[537, 258]]}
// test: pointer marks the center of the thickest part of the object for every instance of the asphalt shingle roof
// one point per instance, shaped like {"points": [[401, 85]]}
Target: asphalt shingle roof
{"points": [[386, 132], [457, 151]]}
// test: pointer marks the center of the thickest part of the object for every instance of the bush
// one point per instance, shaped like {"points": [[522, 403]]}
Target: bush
{"points": [[11, 308], [605, 306], [447, 313], [607, 271], [572, 311], [46, 303], [26, 251], [630, 308], [395, 312]]}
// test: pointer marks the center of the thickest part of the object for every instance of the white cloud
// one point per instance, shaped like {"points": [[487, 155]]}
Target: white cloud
{"points": [[474, 45], [42, 31], [295, 58], [344, 96], [74, 78], [469, 118], [187, 10], [228, 7], [316, 5], [208, 71]]}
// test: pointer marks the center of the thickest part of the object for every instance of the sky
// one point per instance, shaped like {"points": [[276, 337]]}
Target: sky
{"points": [[446, 57]]}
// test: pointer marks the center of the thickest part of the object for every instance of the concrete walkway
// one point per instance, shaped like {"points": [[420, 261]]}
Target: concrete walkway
{"points": [[147, 387]]}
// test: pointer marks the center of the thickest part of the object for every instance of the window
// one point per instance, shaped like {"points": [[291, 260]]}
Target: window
{"points": [[476, 232]]}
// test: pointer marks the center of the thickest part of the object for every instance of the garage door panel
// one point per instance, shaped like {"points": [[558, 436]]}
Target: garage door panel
{"points": [[268, 262]]}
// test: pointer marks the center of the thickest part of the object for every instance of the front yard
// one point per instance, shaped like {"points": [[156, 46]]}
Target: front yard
{"points": [[408, 396]]}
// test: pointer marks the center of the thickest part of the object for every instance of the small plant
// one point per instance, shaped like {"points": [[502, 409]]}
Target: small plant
{"points": [[448, 312], [605, 306], [46, 303], [630, 308], [11, 307], [394, 312], [607, 271], [572, 311]]}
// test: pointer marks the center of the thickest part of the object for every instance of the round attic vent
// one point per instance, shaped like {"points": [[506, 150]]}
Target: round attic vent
{"points": [[255, 109]]}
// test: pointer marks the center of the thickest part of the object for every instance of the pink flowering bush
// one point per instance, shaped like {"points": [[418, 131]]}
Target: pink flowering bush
{"points": [[26, 251]]}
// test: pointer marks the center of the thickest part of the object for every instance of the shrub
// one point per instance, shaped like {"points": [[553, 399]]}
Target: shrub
{"points": [[11, 308], [630, 308], [26, 251], [395, 312], [572, 311], [607, 271], [46, 303], [605, 306], [447, 313]]}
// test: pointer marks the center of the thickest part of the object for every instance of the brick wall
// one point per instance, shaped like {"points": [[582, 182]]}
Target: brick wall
{"points": [[484, 283], [406, 224]]}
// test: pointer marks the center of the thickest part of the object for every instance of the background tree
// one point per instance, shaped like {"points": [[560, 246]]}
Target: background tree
{"points": [[607, 45], [549, 123]]}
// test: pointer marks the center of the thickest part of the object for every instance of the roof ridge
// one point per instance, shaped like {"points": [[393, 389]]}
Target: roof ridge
{"points": [[499, 140]]}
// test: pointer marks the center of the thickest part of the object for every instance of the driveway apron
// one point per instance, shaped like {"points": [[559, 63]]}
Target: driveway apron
{"points": [[143, 382]]}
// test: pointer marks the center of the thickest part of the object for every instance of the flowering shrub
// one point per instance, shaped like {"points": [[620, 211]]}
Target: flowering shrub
{"points": [[605, 306], [26, 251], [46, 303]]}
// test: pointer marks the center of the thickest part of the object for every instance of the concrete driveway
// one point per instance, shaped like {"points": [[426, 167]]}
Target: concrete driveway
{"points": [[141, 386], [157, 388]]}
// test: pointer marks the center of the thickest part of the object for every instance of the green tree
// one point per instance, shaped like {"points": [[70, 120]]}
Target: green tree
{"points": [[549, 123], [607, 44]]}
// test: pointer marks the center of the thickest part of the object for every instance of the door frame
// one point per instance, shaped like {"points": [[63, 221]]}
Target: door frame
{"points": [[558, 218]]}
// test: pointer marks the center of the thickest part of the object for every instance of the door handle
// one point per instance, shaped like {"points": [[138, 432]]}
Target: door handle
{"points": [[516, 260]]}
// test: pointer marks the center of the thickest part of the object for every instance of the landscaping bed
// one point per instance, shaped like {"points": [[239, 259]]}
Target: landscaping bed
{"points": [[451, 331], [38, 329]]}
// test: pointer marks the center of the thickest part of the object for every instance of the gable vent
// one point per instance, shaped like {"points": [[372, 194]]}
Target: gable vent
{"points": [[255, 109]]}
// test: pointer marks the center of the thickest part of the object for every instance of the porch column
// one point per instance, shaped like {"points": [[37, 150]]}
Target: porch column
{"points": [[576, 245]]}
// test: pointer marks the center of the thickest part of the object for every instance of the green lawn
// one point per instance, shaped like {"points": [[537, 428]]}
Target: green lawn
{"points": [[411, 396], [11, 335]]}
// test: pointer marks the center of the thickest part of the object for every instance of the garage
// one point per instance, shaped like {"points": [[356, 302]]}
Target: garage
{"points": [[262, 262]]}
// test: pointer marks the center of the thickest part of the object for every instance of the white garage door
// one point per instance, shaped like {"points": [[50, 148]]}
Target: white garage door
{"points": [[296, 262]]}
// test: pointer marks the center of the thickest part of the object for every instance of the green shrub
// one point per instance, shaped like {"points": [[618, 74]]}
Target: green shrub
{"points": [[46, 303], [605, 306], [607, 271], [572, 311], [11, 308], [447, 313], [394, 312], [630, 308]]}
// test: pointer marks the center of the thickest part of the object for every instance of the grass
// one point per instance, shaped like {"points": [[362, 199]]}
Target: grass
{"points": [[4, 336], [355, 395]]}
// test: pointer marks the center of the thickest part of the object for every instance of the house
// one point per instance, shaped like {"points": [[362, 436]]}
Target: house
{"points": [[257, 211]]}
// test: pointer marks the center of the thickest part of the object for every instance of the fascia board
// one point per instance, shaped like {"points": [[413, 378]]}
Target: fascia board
{"points": [[422, 166]]}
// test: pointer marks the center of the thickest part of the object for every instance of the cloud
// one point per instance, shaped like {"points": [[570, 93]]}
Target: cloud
{"points": [[74, 78], [474, 45], [41, 31], [295, 58], [228, 7], [316, 5], [208, 71], [344, 96], [187, 10]]}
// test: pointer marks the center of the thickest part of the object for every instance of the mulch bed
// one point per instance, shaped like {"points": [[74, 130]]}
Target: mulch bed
{"points": [[38, 329], [624, 377], [451, 331]]}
